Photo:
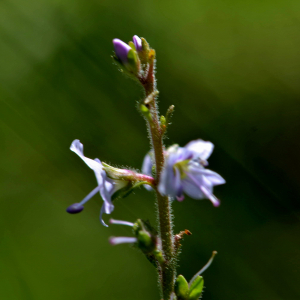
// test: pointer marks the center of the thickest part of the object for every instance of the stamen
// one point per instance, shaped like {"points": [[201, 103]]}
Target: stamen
{"points": [[75, 208], [78, 207], [122, 240], [90, 195], [215, 201], [119, 222], [204, 268]]}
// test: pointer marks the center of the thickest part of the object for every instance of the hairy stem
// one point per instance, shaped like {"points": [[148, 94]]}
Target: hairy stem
{"points": [[168, 268]]}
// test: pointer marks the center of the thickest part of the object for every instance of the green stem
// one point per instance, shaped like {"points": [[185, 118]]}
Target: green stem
{"points": [[168, 268]]}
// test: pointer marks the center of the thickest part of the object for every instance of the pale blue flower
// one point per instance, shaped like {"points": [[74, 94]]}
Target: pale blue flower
{"points": [[106, 186], [184, 172]]}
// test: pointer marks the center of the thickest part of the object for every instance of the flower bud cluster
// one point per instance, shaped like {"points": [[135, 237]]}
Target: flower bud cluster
{"points": [[134, 58]]}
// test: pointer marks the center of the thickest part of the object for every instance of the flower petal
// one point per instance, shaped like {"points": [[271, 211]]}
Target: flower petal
{"points": [[106, 208], [170, 181], [200, 148], [199, 188], [211, 176], [147, 169], [77, 148]]}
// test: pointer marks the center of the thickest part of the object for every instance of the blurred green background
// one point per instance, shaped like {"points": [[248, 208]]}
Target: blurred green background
{"points": [[232, 70]]}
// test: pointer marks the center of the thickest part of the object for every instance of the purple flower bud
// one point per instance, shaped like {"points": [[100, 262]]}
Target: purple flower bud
{"points": [[137, 43], [121, 50], [75, 208]]}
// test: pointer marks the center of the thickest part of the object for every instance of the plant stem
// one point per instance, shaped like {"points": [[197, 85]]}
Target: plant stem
{"points": [[168, 268]]}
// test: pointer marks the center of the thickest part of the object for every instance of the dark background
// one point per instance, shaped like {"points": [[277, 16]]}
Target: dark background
{"points": [[231, 68]]}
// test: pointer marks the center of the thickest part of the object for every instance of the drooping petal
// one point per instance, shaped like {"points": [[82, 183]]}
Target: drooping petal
{"points": [[192, 188], [199, 188], [122, 240], [106, 208], [95, 165], [200, 149], [213, 177], [105, 187]]}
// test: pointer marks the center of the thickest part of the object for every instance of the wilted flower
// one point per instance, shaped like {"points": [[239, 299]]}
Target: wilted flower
{"points": [[184, 172], [106, 186]]}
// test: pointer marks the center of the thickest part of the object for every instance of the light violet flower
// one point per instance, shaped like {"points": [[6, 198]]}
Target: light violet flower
{"points": [[184, 172], [106, 186], [137, 43]]}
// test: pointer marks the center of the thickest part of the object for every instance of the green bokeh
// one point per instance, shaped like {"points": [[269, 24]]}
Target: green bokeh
{"points": [[232, 70]]}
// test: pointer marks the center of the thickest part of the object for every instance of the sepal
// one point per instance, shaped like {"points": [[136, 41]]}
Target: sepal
{"points": [[127, 175], [181, 288], [148, 241], [196, 288], [146, 113]]}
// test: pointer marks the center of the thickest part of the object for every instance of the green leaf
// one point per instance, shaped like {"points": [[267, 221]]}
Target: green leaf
{"points": [[181, 288], [196, 288]]}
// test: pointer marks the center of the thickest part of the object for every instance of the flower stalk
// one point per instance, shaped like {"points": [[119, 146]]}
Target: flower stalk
{"points": [[168, 268]]}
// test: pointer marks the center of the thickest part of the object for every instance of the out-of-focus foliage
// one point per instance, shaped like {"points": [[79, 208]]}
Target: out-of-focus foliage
{"points": [[232, 70]]}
